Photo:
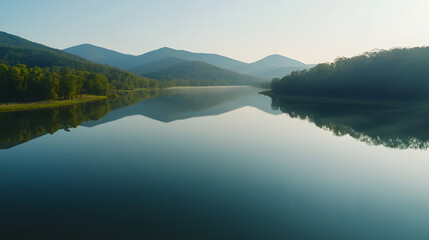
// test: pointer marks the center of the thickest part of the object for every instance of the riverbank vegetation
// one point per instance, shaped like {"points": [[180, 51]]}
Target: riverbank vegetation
{"points": [[19, 83], [396, 74]]}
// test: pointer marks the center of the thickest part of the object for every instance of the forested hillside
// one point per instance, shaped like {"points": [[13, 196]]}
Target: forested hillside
{"points": [[15, 50], [156, 66], [200, 74], [396, 74]]}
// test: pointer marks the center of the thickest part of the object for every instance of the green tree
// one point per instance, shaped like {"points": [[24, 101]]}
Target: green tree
{"points": [[4, 82], [35, 86], [19, 77], [50, 85], [68, 85]]}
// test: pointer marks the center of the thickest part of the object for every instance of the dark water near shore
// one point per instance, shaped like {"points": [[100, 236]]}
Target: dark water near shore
{"points": [[214, 163]]}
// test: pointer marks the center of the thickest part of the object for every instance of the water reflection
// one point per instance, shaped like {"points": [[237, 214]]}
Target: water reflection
{"points": [[399, 126], [245, 174], [19, 127], [22, 126], [183, 103], [165, 106], [392, 125], [130, 98]]}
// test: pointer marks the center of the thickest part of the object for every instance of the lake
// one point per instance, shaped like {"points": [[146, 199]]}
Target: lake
{"points": [[215, 163]]}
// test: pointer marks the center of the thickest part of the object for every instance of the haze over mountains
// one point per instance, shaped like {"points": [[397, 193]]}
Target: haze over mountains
{"points": [[164, 58], [272, 66], [202, 74], [169, 66], [170, 71]]}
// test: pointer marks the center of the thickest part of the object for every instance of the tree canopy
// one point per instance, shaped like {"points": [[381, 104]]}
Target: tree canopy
{"points": [[21, 83], [396, 74]]}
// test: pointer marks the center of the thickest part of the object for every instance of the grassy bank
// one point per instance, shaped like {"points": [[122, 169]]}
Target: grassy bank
{"points": [[20, 106]]}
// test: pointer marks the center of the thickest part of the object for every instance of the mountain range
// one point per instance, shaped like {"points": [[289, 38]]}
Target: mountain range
{"points": [[16, 50], [169, 66], [163, 59]]}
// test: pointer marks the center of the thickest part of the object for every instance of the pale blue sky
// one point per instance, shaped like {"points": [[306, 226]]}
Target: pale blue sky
{"points": [[311, 31]]}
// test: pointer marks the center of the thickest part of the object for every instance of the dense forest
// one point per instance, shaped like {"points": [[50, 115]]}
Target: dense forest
{"points": [[22, 83], [15, 50], [396, 74]]}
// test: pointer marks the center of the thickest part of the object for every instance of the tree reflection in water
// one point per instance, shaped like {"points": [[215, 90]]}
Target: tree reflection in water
{"points": [[394, 125], [22, 126]]}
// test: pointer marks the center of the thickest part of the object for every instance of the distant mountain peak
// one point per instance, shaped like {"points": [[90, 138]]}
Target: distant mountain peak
{"points": [[87, 45], [166, 48], [278, 60], [101, 55], [275, 56], [274, 65], [90, 47]]}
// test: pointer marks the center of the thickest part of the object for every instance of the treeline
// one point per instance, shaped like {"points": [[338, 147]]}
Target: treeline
{"points": [[21, 83], [396, 74]]}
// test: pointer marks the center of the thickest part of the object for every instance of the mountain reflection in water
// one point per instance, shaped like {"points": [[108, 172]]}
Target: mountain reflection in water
{"points": [[22, 126], [163, 105], [392, 125]]}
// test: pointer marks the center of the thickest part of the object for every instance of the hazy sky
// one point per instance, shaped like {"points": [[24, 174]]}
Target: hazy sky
{"points": [[311, 31]]}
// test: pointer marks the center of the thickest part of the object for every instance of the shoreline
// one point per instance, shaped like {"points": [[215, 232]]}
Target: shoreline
{"points": [[387, 103], [135, 90], [23, 106]]}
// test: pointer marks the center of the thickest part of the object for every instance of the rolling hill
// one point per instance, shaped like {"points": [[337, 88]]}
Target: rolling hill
{"points": [[272, 66], [177, 67], [128, 62], [103, 56], [15, 50], [267, 68], [196, 73], [9, 40], [157, 65]]}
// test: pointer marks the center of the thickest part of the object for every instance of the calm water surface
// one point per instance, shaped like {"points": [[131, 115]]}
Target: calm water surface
{"points": [[214, 163]]}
